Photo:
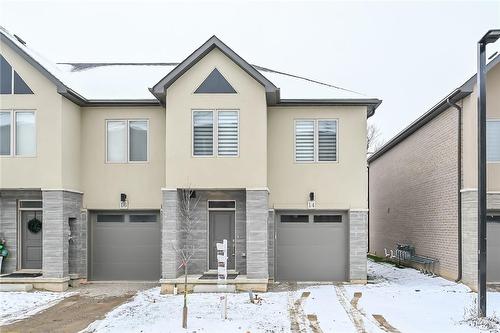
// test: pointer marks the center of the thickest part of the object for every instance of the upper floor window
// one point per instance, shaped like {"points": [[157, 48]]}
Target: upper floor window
{"points": [[316, 140], [221, 135], [127, 141], [10, 81], [493, 140], [17, 133]]}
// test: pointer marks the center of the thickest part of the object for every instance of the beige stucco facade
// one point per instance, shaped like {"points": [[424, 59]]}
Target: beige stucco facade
{"points": [[74, 184]]}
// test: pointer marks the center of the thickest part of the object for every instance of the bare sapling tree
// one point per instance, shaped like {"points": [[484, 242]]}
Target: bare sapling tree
{"points": [[186, 247], [373, 141]]}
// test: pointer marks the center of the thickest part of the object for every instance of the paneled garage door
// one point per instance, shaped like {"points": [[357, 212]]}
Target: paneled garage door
{"points": [[311, 247], [493, 236], [125, 246]]}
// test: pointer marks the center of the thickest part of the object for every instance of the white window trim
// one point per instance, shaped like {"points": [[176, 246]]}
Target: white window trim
{"points": [[13, 128], [497, 120], [127, 122], [215, 131], [316, 141]]}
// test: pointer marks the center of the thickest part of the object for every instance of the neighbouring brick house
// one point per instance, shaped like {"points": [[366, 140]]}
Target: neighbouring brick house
{"points": [[98, 155], [422, 184]]}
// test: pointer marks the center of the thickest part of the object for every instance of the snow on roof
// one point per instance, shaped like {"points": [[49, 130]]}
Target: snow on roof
{"points": [[131, 81]]}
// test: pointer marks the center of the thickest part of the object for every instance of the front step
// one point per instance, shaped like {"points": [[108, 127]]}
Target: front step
{"points": [[16, 287], [214, 288]]}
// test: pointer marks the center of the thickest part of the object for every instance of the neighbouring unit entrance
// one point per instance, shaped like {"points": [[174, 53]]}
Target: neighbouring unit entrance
{"points": [[221, 226], [31, 226]]}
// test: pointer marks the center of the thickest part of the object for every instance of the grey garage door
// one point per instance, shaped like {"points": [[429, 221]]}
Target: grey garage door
{"points": [[311, 247], [493, 236], [125, 246]]}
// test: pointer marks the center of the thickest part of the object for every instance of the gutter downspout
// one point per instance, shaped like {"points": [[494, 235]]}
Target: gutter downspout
{"points": [[459, 167]]}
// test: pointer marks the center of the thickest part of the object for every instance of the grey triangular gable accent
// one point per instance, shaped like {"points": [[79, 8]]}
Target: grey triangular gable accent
{"points": [[215, 83], [20, 87]]}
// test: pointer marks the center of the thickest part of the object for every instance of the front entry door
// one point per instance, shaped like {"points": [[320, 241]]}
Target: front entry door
{"points": [[31, 240], [221, 226]]}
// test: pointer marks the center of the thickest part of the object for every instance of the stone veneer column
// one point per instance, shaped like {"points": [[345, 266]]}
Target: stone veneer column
{"points": [[469, 238], [256, 233], [58, 207], [169, 234], [358, 245]]}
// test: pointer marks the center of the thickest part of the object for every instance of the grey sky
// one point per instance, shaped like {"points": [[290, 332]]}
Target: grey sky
{"points": [[410, 54]]}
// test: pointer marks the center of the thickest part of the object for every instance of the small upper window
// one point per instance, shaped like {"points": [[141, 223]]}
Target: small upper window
{"points": [[215, 83], [222, 204], [27, 204], [113, 218], [493, 140], [127, 141], [139, 218], [493, 218], [327, 218], [294, 218], [10, 81]]}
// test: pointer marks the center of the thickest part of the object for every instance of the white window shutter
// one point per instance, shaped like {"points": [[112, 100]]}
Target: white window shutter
{"points": [[227, 133], [304, 140]]}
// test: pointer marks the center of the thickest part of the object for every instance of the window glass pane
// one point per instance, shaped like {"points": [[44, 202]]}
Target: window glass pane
{"points": [[117, 141], [5, 128], [304, 140], [143, 218], [227, 132], [493, 218], [138, 137], [20, 87], [203, 133], [327, 218], [110, 218], [25, 133], [294, 218], [493, 140], [5, 77], [327, 140], [221, 204], [30, 204]]}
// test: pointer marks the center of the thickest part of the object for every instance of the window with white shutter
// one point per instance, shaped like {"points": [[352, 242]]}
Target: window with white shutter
{"points": [[493, 141], [327, 140], [203, 133], [316, 140], [227, 133], [304, 140]]}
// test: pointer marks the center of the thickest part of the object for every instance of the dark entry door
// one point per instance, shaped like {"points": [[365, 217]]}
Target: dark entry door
{"points": [[32, 241], [221, 226]]}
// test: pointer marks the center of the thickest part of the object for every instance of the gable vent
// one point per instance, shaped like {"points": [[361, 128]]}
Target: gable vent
{"points": [[215, 83]]}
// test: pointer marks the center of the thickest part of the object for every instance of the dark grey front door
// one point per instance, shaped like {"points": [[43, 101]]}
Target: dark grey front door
{"points": [[32, 241], [493, 234], [221, 226]]}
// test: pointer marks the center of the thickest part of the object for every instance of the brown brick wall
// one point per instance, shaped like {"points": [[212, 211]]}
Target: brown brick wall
{"points": [[414, 194]]}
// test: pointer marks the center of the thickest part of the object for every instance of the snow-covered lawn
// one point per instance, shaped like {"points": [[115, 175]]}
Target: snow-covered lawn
{"points": [[18, 305], [405, 299]]}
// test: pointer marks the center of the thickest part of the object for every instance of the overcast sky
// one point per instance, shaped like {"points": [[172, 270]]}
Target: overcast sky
{"points": [[409, 54]]}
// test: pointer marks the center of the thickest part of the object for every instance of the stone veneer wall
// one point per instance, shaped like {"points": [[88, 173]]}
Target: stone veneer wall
{"points": [[8, 222], [169, 234], [58, 207], [470, 237], [358, 245], [256, 234], [271, 223]]}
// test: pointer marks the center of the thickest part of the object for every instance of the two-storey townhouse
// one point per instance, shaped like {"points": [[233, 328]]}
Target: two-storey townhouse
{"points": [[95, 159], [423, 184]]}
